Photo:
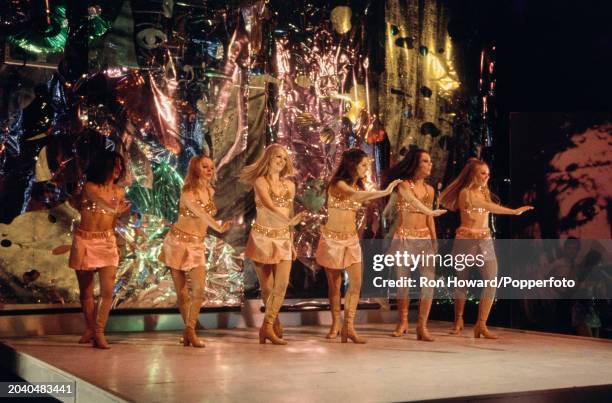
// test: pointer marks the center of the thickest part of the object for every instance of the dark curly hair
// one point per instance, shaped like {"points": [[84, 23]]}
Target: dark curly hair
{"points": [[348, 167], [407, 167], [101, 167]]}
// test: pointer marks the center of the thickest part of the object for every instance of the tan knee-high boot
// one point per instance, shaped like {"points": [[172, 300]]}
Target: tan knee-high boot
{"points": [[484, 308], [351, 300], [266, 332], [89, 312], [402, 315], [334, 308], [421, 330], [104, 308], [278, 327], [190, 337], [459, 307], [183, 307]]}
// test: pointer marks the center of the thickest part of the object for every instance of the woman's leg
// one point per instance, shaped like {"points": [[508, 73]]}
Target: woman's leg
{"points": [[107, 283], [403, 303], [182, 295], [334, 283], [197, 276], [425, 305], [487, 296], [265, 275], [460, 295], [275, 302], [351, 300], [182, 292], [86, 286]]}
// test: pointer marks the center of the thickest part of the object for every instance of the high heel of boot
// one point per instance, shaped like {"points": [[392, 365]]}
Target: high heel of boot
{"points": [[190, 337], [266, 332], [350, 334], [87, 336], [400, 329], [481, 330], [99, 341], [423, 334], [333, 331], [457, 328]]}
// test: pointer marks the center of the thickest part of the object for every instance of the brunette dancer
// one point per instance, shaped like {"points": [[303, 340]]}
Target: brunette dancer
{"points": [[339, 247], [270, 243], [469, 193], [183, 248], [94, 246], [416, 232]]}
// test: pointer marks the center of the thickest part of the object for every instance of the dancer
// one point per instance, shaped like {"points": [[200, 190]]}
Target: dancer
{"points": [[183, 248], [416, 232], [270, 243], [469, 193], [339, 247], [94, 246]]}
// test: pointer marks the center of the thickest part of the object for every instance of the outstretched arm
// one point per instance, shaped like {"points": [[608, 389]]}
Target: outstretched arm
{"points": [[498, 208], [409, 196], [361, 196], [390, 207], [190, 201]]}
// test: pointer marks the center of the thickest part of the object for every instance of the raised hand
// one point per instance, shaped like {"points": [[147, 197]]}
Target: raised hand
{"points": [[392, 186], [298, 217]]}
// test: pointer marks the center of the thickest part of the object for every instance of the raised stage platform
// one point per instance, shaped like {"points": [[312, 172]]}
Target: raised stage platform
{"points": [[153, 367]]}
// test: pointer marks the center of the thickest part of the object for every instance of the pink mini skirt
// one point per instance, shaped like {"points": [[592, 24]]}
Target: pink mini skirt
{"points": [[182, 250], [474, 241], [338, 250], [93, 249], [269, 245], [414, 241]]}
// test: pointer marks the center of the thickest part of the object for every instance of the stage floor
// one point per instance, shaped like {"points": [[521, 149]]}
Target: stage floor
{"points": [[153, 367]]}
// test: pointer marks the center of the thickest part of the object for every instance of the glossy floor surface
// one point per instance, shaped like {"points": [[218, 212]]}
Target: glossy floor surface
{"points": [[153, 367]]}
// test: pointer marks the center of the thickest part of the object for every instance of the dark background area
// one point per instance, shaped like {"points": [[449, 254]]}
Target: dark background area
{"points": [[554, 60]]}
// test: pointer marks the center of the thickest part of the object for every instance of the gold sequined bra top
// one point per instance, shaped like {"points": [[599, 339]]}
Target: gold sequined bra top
{"points": [[408, 207], [470, 209], [283, 201], [93, 207], [209, 208], [342, 203]]}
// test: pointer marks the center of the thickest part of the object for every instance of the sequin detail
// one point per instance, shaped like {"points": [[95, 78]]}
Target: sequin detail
{"points": [[480, 210], [470, 209], [402, 232], [185, 236], [473, 233], [275, 233], [408, 207], [336, 235], [93, 207], [283, 201], [94, 234], [209, 208], [342, 203]]}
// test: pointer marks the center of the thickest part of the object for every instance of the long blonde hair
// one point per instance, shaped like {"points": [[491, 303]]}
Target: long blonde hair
{"points": [[465, 179], [261, 167], [192, 179]]}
